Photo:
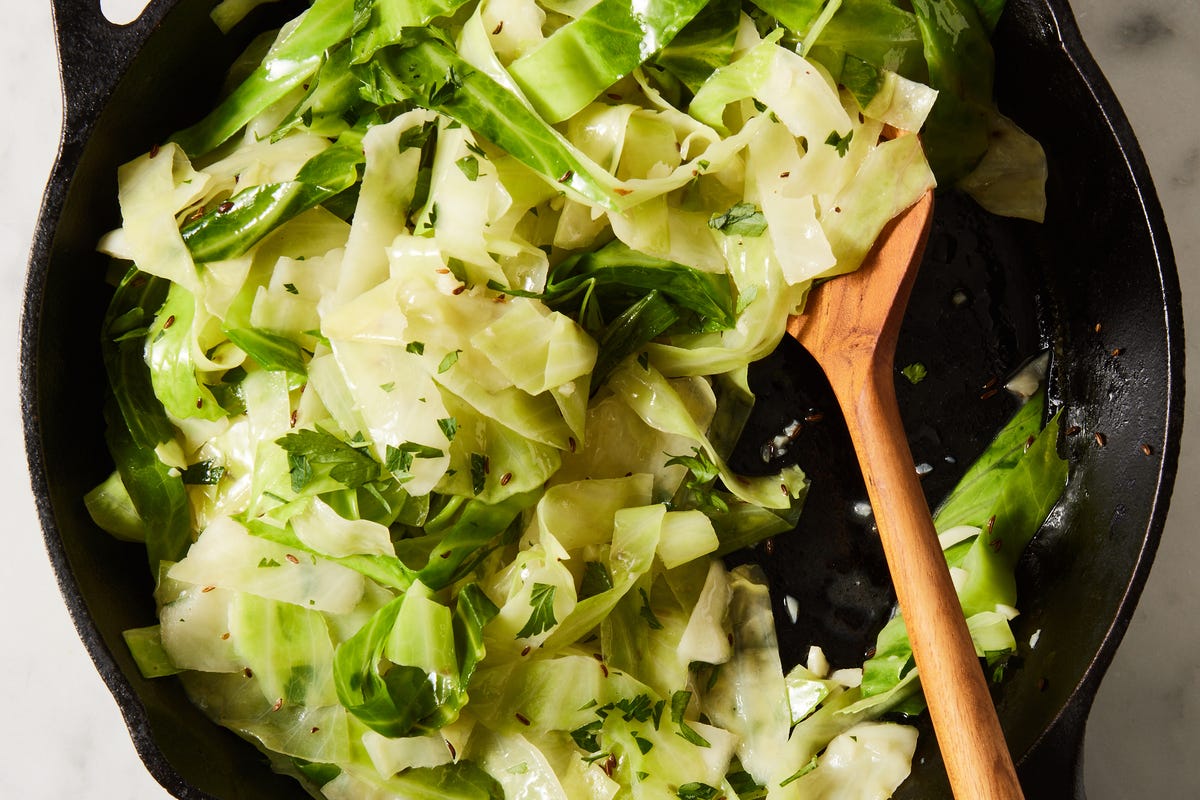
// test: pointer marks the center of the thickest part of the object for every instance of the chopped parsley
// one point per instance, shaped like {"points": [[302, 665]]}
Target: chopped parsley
{"points": [[679, 704], [745, 298], [631, 708], [997, 661], [352, 465], [478, 472], [400, 459], [743, 219], [647, 613], [417, 348], [745, 786], [585, 736], [703, 475], [915, 372], [839, 142], [291, 288], [469, 166], [440, 94], [300, 470], [448, 361], [596, 579], [542, 619], [203, 473], [697, 791], [415, 137], [449, 426], [638, 709]]}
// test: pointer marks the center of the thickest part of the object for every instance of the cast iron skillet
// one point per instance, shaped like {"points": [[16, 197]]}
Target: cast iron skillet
{"points": [[1095, 284]]}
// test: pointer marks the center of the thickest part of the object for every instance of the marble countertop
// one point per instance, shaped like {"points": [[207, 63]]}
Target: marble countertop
{"points": [[62, 734]]}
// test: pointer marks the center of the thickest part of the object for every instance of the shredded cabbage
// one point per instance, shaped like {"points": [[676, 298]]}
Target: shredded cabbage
{"points": [[430, 356]]}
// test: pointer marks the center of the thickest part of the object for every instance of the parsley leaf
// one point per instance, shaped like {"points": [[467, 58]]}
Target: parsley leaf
{"points": [[639, 708], [647, 613], [440, 94], [478, 472], [351, 466], [469, 166], [585, 736], [542, 618], [697, 791], [399, 459], [430, 220], [915, 372], [448, 361], [704, 474], [700, 464], [596, 579], [415, 137], [840, 143], [449, 426], [679, 704], [415, 347], [203, 473], [997, 661], [743, 219], [745, 298], [291, 288], [745, 785], [300, 470]]}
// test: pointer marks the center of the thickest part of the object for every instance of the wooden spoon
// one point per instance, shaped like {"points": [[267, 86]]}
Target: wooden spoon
{"points": [[850, 326]]}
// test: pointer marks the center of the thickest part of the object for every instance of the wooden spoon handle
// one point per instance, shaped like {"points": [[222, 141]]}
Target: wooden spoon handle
{"points": [[964, 718]]}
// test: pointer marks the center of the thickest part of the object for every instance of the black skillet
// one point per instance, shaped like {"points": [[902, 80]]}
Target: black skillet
{"points": [[1095, 285]]}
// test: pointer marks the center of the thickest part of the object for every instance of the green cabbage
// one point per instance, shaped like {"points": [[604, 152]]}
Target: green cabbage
{"points": [[428, 358]]}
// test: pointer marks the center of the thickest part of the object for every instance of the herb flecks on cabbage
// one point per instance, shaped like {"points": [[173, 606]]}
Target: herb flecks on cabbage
{"points": [[430, 351]]}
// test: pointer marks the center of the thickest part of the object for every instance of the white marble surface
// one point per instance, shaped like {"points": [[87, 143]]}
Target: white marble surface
{"points": [[61, 734]]}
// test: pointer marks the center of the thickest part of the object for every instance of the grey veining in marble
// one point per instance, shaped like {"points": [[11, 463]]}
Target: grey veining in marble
{"points": [[61, 735]]}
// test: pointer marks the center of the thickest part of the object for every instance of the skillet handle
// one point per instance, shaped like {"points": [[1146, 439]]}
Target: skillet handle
{"points": [[93, 55]]}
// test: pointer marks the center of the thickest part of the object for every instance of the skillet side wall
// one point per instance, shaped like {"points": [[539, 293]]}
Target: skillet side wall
{"points": [[1108, 262], [106, 583]]}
